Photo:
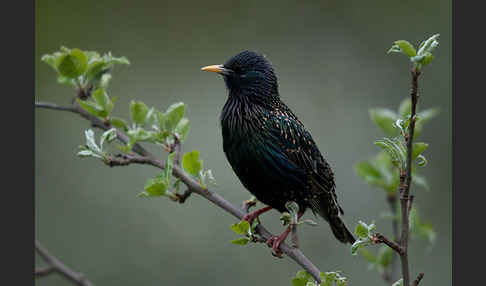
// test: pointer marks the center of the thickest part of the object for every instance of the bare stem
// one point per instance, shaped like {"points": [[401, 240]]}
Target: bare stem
{"points": [[55, 265], [380, 238], [419, 278], [406, 179], [193, 186]]}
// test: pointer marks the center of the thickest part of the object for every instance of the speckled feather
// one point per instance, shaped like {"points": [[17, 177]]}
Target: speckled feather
{"points": [[268, 147]]}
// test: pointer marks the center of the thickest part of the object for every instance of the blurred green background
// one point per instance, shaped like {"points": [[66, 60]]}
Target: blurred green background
{"points": [[331, 61]]}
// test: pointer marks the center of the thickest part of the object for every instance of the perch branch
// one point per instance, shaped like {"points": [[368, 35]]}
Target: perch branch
{"points": [[193, 186], [55, 265]]}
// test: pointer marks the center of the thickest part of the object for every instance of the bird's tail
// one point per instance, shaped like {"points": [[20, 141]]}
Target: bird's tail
{"points": [[340, 230]]}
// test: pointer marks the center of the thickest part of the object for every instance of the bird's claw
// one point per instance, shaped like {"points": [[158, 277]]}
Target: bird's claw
{"points": [[274, 242]]}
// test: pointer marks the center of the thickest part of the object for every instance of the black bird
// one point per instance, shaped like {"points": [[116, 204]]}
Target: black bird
{"points": [[270, 150]]}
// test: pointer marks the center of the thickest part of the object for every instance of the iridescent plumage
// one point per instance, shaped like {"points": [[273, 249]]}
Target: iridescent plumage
{"points": [[268, 147]]}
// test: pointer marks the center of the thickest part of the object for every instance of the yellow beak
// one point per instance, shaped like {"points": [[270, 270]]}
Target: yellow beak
{"points": [[216, 68]]}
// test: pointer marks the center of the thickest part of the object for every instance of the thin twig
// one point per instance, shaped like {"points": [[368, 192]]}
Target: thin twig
{"points": [[194, 186], [406, 180], [43, 271], [55, 265], [380, 238], [124, 160], [53, 106], [419, 278]]}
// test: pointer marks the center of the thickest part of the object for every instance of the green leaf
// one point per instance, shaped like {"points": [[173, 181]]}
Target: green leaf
{"points": [[88, 153], [66, 81], [293, 208], [286, 218], [90, 141], [72, 64], [333, 278], [119, 123], [427, 59], [361, 230], [378, 171], [173, 115], [108, 58], [384, 256], [241, 228], [421, 161], [358, 244], [182, 129], [428, 45], [418, 148], [191, 163], [398, 283], [367, 255], [420, 181], [156, 187], [92, 108], [50, 60], [96, 69], [395, 148], [138, 112], [406, 48], [169, 165], [303, 274], [405, 108], [241, 241], [108, 136], [105, 80], [299, 282], [427, 230], [385, 119], [207, 178], [102, 99]]}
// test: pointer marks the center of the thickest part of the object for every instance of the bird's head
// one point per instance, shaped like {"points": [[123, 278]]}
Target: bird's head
{"points": [[247, 74]]}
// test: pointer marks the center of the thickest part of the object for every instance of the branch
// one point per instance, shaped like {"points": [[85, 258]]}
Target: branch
{"points": [[417, 281], [193, 186], [55, 265], [406, 179], [380, 238]]}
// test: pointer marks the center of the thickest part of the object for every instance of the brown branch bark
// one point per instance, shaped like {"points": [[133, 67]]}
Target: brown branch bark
{"points": [[380, 238], [55, 265], [193, 186], [405, 181], [419, 278]]}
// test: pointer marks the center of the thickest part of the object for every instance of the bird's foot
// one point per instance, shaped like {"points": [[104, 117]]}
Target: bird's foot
{"points": [[253, 215], [275, 241]]}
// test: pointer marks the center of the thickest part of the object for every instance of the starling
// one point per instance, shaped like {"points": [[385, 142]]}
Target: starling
{"points": [[270, 150]]}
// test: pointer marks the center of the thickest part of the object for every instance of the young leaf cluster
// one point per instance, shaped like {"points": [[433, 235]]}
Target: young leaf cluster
{"points": [[383, 169], [91, 149], [303, 278], [364, 235], [84, 70], [419, 58], [244, 228], [194, 166], [292, 216], [153, 126]]}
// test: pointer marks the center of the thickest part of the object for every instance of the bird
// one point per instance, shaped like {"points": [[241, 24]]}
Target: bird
{"points": [[270, 150]]}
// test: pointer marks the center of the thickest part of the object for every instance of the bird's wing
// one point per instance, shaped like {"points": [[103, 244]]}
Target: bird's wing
{"points": [[297, 145]]}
